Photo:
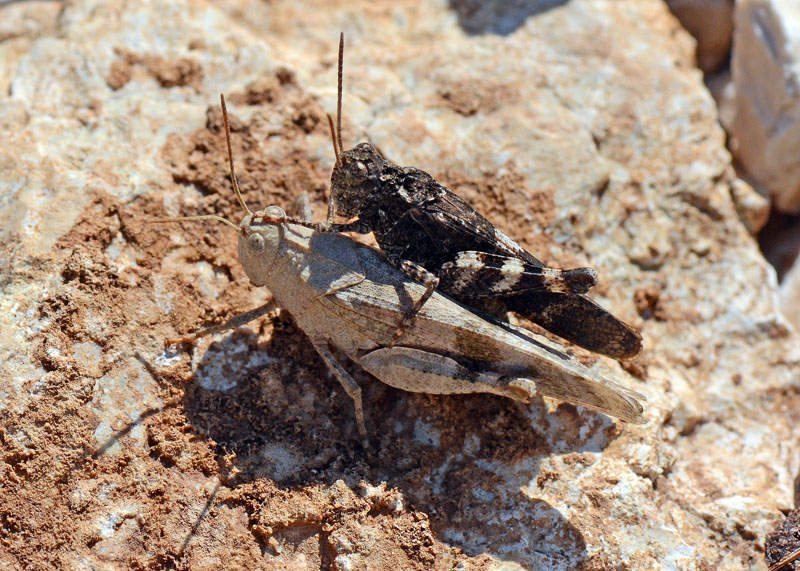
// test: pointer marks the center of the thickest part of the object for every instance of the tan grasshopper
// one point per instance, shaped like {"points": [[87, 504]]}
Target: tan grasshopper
{"points": [[346, 295]]}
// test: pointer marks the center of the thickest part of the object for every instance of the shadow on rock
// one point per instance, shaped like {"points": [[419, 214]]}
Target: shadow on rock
{"points": [[462, 460], [498, 17]]}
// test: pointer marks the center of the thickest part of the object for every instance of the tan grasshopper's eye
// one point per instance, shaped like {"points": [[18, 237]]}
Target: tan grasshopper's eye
{"points": [[255, 243]]}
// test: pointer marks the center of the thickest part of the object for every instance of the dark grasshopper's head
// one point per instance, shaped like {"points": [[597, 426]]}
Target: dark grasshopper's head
{"points": [[355, 176]]}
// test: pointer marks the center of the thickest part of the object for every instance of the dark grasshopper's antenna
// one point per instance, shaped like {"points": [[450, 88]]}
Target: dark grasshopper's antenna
{"points": [[233, 179], [339, 93], [336, 132]]}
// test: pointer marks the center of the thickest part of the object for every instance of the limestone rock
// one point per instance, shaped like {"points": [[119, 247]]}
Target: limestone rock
{"points": [[582, 129], [764, 116], [711, 24]]}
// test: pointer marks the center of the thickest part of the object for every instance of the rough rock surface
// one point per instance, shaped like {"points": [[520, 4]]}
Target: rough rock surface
{"points": [[762, 113], [580, 128]]}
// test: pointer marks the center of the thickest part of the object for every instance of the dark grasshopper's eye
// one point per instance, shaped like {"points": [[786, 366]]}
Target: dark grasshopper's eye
{"points": [[357, 173]]}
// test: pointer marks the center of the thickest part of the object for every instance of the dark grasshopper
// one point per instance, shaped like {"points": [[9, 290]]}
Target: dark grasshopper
{"points": [[436, 237]]}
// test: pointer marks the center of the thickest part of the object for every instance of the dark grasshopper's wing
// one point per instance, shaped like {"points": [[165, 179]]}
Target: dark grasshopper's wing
{"points": [[455, 227], [578, 319], [532, 291]]}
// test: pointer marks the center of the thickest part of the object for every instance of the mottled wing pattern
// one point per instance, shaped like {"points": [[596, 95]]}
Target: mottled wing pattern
{"points": [[479, 275], [456, 227], [578, 319]]}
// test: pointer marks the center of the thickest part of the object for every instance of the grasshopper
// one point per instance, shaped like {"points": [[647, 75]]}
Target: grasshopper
{"points": [[346, 295], [436, 237]]}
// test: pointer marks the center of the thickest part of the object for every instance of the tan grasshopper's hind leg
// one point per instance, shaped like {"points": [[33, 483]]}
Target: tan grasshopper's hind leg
{"points": [[232, 323], [419, 371], [348, 383]]}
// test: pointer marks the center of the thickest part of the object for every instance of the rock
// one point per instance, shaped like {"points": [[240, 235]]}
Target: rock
{"points": [[790, 292], [581, 129], [753, 209], [763, 120], [711, 24]]}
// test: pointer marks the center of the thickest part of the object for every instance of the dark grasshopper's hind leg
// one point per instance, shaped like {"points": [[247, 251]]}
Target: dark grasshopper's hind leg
{"points": [[477, 275], [578, 319], [423, 276]]}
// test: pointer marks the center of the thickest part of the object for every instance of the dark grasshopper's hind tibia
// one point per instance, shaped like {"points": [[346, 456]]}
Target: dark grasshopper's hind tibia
{"points": [[580, 280], [578, 319]]}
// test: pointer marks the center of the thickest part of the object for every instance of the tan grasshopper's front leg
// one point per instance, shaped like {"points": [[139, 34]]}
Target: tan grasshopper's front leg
{"points": [[348, 383], [232, 323]]}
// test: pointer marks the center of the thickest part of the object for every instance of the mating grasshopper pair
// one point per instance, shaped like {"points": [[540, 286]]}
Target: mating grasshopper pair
{"points": [[347, 296]]}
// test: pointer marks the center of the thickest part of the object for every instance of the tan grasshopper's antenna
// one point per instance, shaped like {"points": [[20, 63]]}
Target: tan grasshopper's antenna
{"points": [[230, 154], [233, 178], [193, 218]]}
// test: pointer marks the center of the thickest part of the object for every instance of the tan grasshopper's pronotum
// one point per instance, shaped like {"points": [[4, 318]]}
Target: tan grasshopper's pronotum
{"points": [[346, 295]]}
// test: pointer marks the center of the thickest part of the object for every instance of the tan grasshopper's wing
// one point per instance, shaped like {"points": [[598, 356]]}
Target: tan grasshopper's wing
{"points": [[376, 304], [526, 361], [587, 389], [568, 380]]}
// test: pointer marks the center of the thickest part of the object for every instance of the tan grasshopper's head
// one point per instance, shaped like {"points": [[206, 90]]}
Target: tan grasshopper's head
{"points": [[259, 241]]}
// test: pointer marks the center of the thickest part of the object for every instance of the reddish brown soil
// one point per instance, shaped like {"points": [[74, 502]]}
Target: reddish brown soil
{"points": [[212, 486]]}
